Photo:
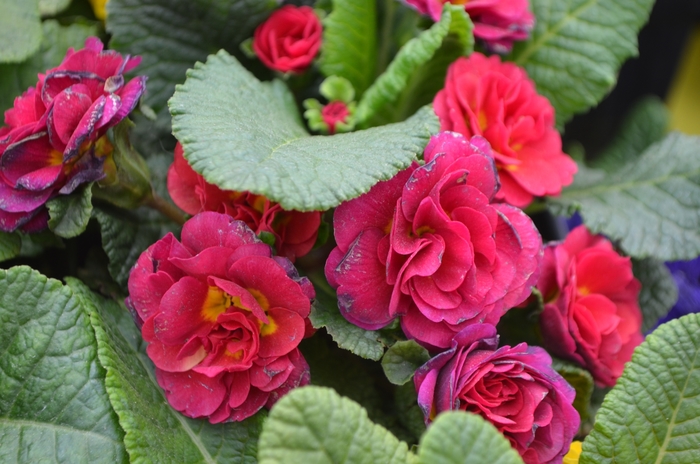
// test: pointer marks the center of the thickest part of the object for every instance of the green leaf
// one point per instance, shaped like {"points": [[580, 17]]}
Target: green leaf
{"points": [[577, 48], [20, 30], [402, 359], [462, 437], [222, 116], [170, 36], [352, 377], [314, 425], [651, 204], [644, 125], [418, 71], [248, 135], [407, 410], [52, 7], [325, 313], [349, 47], [653, 413], [10, 245], [126, 234], [581, 380], [154, 431], [17, 78], [53, 403], [69, 214], [659, 291]]}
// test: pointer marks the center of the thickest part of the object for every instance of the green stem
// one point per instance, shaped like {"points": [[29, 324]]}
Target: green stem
{"points": [[166, 208]]}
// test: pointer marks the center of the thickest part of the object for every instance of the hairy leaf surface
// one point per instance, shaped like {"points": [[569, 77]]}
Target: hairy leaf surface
{"points": [[54, 406], [652, 415], [249, 136]]}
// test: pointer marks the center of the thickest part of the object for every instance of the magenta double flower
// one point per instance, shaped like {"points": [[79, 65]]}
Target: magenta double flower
{"points": [[431, 246], [53, 138], [514, 388]]}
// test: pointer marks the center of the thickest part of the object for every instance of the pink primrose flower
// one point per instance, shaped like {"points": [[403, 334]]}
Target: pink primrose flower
{"points": [[289, 39], [497, 22], [483, 96], [295, 232], [431, 246], [223, 319], [514, 388], [591, 314], [54, 136]]}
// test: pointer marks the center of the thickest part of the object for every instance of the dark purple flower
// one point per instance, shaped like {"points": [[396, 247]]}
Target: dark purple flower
{"points": [[687, 277]]}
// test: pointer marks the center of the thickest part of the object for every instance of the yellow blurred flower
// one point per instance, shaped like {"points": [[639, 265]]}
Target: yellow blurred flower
{"points": [[573, 454], [98, 6]]}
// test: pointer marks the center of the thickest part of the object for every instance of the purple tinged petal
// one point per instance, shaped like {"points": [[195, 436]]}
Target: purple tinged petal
{"points": [[85, 129], [21, 201], [129, 95]]}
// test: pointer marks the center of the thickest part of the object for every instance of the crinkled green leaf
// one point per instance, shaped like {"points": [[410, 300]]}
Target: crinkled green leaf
{"points": [[325, 313], [418, 71], [581, 380], [52, 7], [460, 437], [577, 48], [313, 425], [170, 36], [155, 432], [651, 204], [645, 124], [248, 135], [652, 415], [402, 359], [53, 404], [10, 245], [16, 78], [126, 234], [349, 46], [659, 291], [69, 214], [20, 30]]}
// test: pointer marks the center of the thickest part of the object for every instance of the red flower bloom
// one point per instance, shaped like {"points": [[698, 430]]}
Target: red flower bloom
{"points": [[483, 96], [295, 232], [222, 318], [497, 22], [514, 388], [591, 315], [333, 113], [53, 139], [429, 245], [289, 39]]}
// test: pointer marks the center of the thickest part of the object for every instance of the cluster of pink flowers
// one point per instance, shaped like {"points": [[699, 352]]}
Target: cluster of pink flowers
{"points": [[54, 136], [442, 246]]}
